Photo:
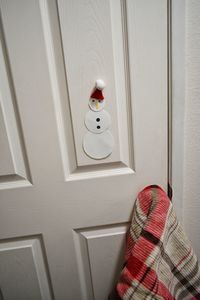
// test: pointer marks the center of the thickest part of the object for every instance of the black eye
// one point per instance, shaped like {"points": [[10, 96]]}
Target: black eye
{"points": [[97, 119], [93, 100], [98, 127]]}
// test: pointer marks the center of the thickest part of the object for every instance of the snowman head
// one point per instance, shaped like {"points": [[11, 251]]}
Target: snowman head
{"points": [[96, 105], [97, 102]]}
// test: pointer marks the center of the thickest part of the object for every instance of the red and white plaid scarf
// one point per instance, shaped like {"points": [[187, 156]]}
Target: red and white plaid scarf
{"points": [[160, 262]]}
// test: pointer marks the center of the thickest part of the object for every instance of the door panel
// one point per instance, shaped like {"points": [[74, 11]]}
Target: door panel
{"points": [[100, 253], [23, 274], [63, 215], [13, 156]]}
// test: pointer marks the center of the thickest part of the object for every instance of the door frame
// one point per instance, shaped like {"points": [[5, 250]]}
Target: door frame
{"points": [[177, 102]]}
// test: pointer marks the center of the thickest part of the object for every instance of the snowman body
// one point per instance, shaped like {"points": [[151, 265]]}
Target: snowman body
{"points": [[98, 142]]}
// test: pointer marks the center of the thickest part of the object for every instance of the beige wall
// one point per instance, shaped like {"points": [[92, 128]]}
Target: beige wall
{"points": [[191, 191], [186, 115], [178, 101]]}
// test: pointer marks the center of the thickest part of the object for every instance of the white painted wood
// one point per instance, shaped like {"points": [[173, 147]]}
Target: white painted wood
{"points": [[178, 102], [6, 162], [61, 199], [22, 272], [148, 57], [99, 244], [118, 13], [92, 37], [12, 150]]}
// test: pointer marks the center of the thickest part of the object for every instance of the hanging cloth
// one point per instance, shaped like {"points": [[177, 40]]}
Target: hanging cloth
{"points": [[159, 260]]}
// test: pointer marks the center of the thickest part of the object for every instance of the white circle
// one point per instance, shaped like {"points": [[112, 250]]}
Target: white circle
{"points": [[97, 122], [98, 146], [96, 105]]}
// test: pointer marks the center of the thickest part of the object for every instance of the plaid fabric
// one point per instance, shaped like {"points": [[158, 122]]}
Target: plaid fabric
{"points": [[160, 263]]}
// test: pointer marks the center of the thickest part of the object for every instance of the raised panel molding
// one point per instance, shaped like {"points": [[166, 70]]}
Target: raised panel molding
{"points": [[67, 103], [6, 162], [99, 253], [23, 274], [14, 170]]}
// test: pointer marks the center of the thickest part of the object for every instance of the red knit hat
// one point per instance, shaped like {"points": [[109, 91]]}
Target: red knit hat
{"points": [[97, 93]]}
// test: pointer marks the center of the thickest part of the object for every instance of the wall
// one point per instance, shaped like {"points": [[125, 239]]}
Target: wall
{"points": [[178, 101], [191, 199], [186, 116]]}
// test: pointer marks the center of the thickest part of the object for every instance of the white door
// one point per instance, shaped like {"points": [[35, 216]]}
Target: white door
{"points": [[63, 214]]}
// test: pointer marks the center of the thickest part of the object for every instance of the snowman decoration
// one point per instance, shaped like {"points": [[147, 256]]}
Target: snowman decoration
{"points": [[98, 142]]}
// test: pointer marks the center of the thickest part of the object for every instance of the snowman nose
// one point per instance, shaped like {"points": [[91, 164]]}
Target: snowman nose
{"points": [[97, 104]]}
